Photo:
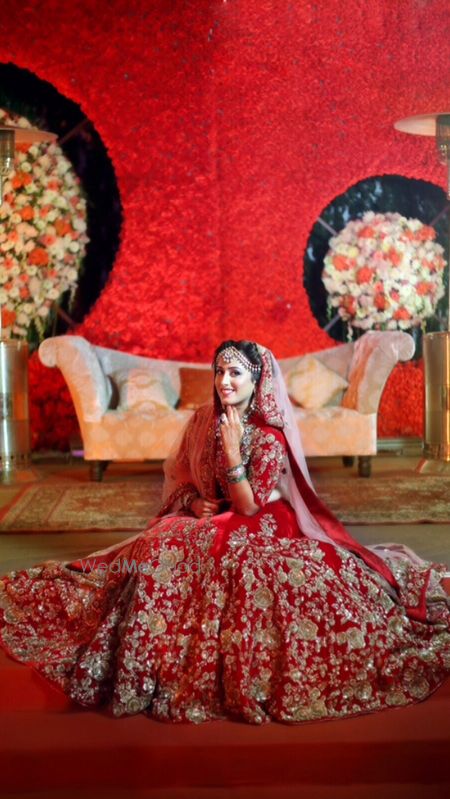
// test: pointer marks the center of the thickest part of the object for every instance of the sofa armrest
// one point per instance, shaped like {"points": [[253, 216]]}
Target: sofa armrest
{"points": [[374, 357], [89, 387]]}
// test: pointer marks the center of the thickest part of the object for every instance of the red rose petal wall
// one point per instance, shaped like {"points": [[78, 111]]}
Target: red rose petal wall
{"points": [[231, 124]]}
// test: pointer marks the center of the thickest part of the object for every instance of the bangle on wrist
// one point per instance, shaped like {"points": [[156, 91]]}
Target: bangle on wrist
{"points": [[188, 499], [237, 478], [236, 470]]}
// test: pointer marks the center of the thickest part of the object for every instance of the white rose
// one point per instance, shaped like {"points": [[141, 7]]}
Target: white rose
{"points": [[45, 161], [14, 292], [62, 166], [26, 166], [34, 286], [3, 296], [43, 311], [48, 197], [79, 224]]}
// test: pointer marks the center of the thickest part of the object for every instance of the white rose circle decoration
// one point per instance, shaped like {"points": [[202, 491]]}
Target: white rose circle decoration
{"points": [[42, 234], [384, 272]]}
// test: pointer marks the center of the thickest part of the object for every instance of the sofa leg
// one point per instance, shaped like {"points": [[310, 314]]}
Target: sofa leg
{"points": [[364, 465], [348, 460], [97, 470]]}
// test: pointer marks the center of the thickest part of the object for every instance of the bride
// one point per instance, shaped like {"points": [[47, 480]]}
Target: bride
{"points": [[245, 597]]}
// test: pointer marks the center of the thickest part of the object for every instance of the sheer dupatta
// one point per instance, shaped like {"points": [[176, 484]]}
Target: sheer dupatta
{"points": [[315, 520]]}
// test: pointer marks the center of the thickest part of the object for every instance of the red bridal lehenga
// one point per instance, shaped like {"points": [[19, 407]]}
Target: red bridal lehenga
{"points": [[279, 616]]}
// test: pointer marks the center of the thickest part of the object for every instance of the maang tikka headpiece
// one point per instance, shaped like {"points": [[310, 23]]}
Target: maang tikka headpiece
{"points": [[233, 354]]}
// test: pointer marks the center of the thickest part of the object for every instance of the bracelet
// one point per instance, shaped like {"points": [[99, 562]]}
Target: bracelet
{"points": [[233, 470], [188, 498], [237, 478]]}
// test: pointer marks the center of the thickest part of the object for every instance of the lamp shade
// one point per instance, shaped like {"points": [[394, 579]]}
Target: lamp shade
{"points": [[421, 125], [30, 135]]}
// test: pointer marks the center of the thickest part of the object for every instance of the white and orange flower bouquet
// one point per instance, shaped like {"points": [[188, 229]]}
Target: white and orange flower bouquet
{"points": [[42, 234], [384, 272]]}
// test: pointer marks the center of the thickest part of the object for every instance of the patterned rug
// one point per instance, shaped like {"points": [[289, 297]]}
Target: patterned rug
{"points": [[387, 499], [127, 506], [60, 507]]}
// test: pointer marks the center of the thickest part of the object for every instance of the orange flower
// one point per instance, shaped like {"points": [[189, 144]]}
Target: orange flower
{"points": [[395, 257], [47, 240], [8, 317], [27, 213], [24, 293], [423, 288], [21, 179], [38, 257], [381, 301], [349, 304], [364, 275], [342, 264], [62, 227], [426, 233], [402, 313], [366, 232]]}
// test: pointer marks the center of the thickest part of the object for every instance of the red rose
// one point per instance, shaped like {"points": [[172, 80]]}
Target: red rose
{"points": [[402, 313], [364, 275], [342, 264], [424, 288], [395, 257]]}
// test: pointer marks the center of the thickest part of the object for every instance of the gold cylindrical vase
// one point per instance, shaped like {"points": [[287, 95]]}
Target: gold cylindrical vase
{"points": [[436, 356], [14, 414]]}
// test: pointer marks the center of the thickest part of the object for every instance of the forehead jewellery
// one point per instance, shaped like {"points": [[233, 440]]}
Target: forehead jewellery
{"points": [[233, 354]]}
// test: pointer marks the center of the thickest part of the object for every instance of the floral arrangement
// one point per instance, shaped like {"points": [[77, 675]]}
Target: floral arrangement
{"points": [[384, 272], [42, 234]]}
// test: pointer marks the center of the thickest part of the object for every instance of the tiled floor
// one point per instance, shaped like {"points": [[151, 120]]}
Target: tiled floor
{"points": [[431, 541]]}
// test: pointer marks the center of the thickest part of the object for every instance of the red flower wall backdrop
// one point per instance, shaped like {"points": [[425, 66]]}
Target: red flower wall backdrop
{"points": [[231, 125]]}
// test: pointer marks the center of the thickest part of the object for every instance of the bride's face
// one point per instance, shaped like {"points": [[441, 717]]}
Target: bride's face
{"points": [[233, 383]]}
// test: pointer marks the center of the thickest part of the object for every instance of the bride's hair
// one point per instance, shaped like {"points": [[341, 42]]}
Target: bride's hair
{"points": [[248, 348]]}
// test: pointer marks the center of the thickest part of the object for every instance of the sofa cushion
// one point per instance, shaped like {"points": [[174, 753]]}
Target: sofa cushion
{"points": [[140, 389], [312, 385], [196, 387]]}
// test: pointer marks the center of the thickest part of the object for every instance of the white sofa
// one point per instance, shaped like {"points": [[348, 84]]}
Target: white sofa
{"points": [[118, 427]]}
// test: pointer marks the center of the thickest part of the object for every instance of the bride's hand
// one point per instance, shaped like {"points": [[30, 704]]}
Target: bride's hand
{"points": [[204, 508], [231, 431]]}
